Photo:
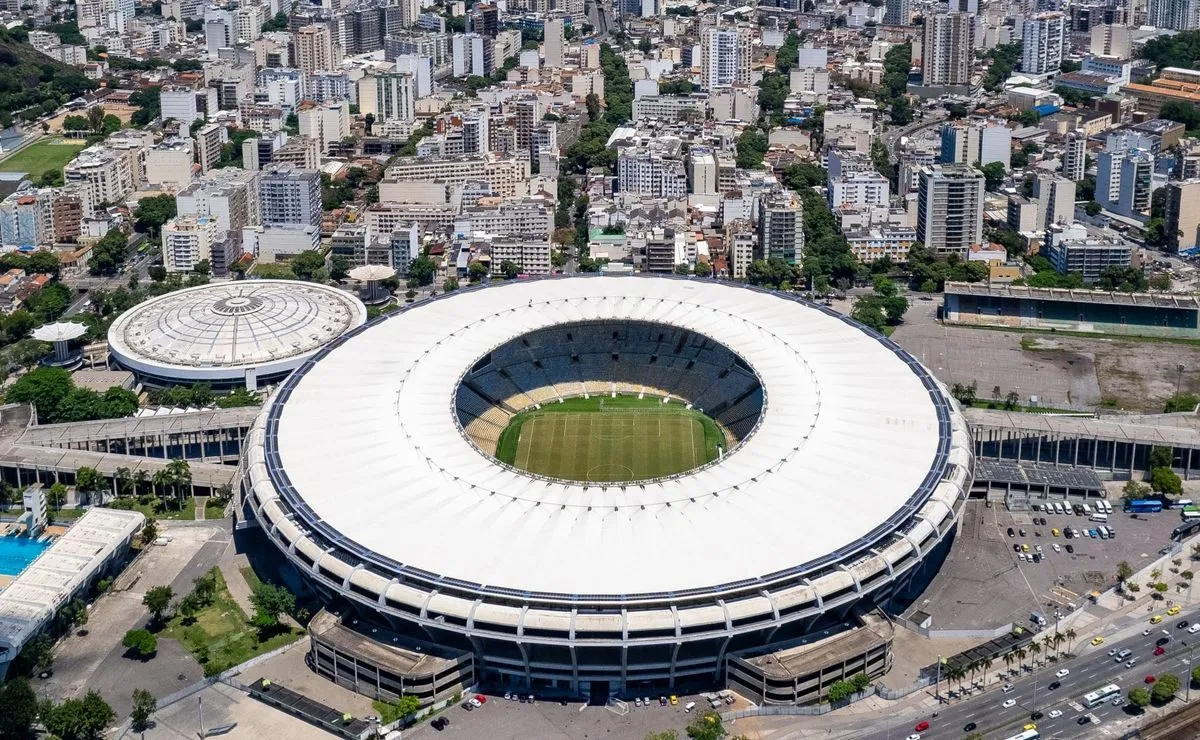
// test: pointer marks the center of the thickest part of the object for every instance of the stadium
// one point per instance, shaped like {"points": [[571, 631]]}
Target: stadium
{"points": [[604, 485], [245, 332]]}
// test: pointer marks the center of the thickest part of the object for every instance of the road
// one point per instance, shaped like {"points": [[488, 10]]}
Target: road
{"points": [[1092, 668], [934, 117], [598, 17], [140, 265]]}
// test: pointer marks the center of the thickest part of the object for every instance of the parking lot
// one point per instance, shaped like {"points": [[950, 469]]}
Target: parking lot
{"points": [[985, 585], [509, 720]]}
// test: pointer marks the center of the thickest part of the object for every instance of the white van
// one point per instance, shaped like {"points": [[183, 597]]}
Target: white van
{"points": [[1108, 509], [1099, 516], [1087, 509], [689, 706], [1058, 508]]}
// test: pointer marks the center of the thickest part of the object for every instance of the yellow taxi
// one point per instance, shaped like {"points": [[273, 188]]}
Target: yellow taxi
{"points": [[1097, 640], [1030, 726], [1173, 611], [674, 700], [1156, 619], [1024, 548], [1054, 532]]}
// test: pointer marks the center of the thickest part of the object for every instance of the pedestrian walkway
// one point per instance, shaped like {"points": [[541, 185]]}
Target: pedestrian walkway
{"points": [[201, 502]]}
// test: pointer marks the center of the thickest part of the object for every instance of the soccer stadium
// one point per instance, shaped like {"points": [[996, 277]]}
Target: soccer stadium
{"points": [[605, 485]]}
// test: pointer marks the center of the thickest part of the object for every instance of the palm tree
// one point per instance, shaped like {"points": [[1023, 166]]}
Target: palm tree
{"points": [[987, 666], [161, 479], [140, 479], [1155, 574], [181, 477], [1070, 635], [1008, 661], [1021, 655], [124, 479], [1035, 648]]}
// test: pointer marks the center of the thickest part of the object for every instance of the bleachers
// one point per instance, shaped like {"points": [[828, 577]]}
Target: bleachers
{"points": [[577, 359]]}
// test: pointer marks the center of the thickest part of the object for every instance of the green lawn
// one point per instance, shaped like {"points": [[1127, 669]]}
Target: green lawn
{"points": [[44, 156], [221, 635], [604, 439], [157, 508]]}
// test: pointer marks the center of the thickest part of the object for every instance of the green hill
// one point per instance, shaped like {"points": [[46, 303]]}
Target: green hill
{"points": [[32, 83]]}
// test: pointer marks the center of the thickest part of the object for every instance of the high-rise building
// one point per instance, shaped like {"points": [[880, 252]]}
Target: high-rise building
{"points": [[898, 13], [218, 30], [228, 195], [950, 208], [187, 240], [976, 143], [1042, 43], [473, 55], [781, 226], [209, 140], [326, 123], [1176, 15], [963, 6], [947, 52], [314, 48], [394, 97], [1124, 180], [1074, 160], [1055, 197], [553, 43], [1182, 227], [1111, 41], [485, 19], [725, 55], [290, 196]]}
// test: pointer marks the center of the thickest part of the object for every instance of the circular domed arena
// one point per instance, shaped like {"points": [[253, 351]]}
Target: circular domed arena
{"points": [[698, 470], [228, 334]]}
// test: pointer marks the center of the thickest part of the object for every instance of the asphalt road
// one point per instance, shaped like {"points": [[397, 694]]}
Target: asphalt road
{"points": [[141, 265], [1091, 669], [932, 118]]}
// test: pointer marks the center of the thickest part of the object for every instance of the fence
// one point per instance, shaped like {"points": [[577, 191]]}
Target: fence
{"points": [[812, 710], [893, 694]]}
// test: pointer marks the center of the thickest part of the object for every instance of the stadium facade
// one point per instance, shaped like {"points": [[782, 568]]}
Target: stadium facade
{"points": [[371, 472]]}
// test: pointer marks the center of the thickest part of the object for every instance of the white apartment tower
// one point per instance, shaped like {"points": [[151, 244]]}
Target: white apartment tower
{"points": [[1042, 43], [553, 43], [395, 98], [290, 197], [187, 240], [725, 55], [1176, 15], [1074, 161]]}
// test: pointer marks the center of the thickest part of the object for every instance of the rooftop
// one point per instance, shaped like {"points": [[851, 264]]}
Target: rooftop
{"points": [[1162, 300]]}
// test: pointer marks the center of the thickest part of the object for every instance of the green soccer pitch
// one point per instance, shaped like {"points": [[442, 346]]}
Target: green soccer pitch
{"points": [[605, 439]]}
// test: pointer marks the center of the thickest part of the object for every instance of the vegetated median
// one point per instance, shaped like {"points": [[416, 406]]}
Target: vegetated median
{"points": [[607, 439]]}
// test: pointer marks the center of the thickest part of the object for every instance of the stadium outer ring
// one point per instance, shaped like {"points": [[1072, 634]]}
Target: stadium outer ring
{"points": [[570, 640]]}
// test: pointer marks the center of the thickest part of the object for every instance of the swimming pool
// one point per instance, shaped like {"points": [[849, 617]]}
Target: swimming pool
{"points": [[16, 553]]}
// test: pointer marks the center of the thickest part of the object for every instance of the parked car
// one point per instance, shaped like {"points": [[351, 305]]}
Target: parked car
{"points": [[1012, 532], [439, 723], [1071, 549], [1149, 679]]}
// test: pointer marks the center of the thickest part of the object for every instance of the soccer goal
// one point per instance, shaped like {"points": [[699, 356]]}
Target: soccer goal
{"points": [[616, 706]]}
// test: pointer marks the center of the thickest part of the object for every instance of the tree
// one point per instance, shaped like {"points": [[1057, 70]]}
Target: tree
{"points": [[1165, 688], [1124, 571], [75, 123], [407, 705], [1164, 480], [706, 726], [141, 643], [752, 146], [108, 253], [1139, 697], [205, 587], [269, 602], [144, 705], [339, 267], [703, 269], [189, 607], [158, 601], [80, 719], [993, 175], [45, 388], [1092, 208], [1195, 678], [20, 708], [149, 532], [422, 270], [89, 481], [663, 735], [476, 271], [202, 268], [56, 495], [592, 101], [450, 285], [510, 269], [152, 213], [95, 118], [308, 265]]}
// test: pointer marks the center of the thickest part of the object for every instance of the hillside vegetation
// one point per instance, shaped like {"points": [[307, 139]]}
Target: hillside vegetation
{"points": [[32, 84]]}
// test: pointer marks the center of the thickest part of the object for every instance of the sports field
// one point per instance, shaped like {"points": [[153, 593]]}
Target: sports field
{"points": [[605, 439], [42, 156]]}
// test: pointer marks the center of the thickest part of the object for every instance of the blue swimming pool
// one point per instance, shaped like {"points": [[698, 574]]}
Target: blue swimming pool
{"points": [[16, 553]]}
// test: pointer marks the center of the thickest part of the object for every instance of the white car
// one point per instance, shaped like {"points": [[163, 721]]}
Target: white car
{"points": [[915, 736], [637, 702], [1009, 703], [1038, 548], [1007, 688], [1054, 713], [1063, 672], [1145, 633], [1057, 548]]}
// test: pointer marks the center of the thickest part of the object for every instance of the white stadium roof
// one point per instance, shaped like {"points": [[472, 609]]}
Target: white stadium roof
{"points": [[850, 435], [221, 329]]}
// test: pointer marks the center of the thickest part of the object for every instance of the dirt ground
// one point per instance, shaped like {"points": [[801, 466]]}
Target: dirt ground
{"points": [[124, 112], [1133, 375]]}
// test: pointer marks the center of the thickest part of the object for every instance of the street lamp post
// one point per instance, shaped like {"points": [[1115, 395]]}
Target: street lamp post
{"points": [[1180, 367]]}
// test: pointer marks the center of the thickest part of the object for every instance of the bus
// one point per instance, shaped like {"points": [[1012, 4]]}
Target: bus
{"points": [[1190, 514], [1101, 695], [1181, 503], [1143, 506], [1026, 735]]}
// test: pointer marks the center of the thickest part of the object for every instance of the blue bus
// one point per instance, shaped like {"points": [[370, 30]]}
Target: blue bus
{"points": [[1143, 506]]}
